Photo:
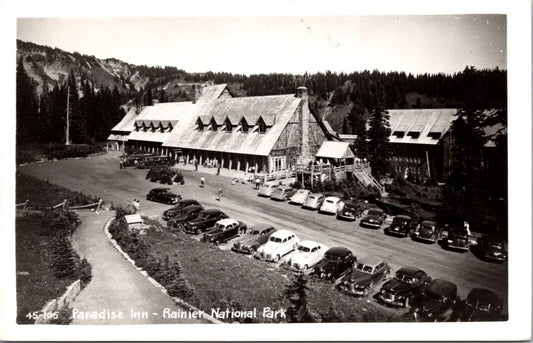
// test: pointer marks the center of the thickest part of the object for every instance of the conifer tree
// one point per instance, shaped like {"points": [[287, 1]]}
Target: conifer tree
{"points": [[378, 134], [26, 106]]}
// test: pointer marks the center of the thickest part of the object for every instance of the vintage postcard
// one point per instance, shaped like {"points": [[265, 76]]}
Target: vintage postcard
{"points": [[309, 170]]}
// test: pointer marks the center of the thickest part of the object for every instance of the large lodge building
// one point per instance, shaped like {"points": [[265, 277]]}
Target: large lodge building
{"points": [[278, 132], [267, 133]]}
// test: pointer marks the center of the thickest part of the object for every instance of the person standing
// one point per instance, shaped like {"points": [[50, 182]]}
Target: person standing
{"points": [[218, 170], [257, 182], [136, 206], [121, 163], [202, 182], [195, 164], [467, 227], [219, 194]]}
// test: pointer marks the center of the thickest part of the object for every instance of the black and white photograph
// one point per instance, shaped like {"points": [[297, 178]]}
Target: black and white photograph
{"points": [[289, 169]]}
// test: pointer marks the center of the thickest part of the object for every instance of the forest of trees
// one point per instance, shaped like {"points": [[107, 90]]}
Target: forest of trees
{"points": [[42, 118]]}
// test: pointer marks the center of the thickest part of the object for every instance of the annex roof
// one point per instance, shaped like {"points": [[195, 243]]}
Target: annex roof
{"points": [[127, 122], [420, 126], [275, 110], [333, 149]]}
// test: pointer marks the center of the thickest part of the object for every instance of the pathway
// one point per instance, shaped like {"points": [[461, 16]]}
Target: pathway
{"points": [[116, 286]]}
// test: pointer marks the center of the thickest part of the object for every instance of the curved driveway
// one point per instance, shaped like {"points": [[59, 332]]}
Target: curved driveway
{"points": [[116, 286]]}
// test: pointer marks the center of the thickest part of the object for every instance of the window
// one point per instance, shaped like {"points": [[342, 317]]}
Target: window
{"points": [[214, 125], [261, 126], [244, 125], [200, 125], [229, 127]]}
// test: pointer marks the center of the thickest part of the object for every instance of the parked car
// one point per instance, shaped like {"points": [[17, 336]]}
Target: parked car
{"points": [[336, 262], [427, 232], [163, 195], [266, 189], [401, 226], [256, 236], [348, 210], [186, 214], [366, 275], [457, 239], [307, 254], [172, 212], [374, 218], [204, 221], [314, 201], [279, 244], [481, 304], [330, 205], [282, 193], [407, 283], [491, 248], [436, 303], [300, 197], [224, 230]]}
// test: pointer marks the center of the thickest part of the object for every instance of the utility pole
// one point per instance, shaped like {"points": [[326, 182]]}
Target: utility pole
{"points": [[67, 135]]}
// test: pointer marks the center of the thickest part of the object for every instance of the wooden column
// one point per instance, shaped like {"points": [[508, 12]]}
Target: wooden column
{"points": [[230, 162], [239, 164]]}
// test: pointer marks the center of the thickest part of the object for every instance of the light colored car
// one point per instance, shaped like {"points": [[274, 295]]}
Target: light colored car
{"points": [[266, 189], [331, 205], [307, 254], [279, 244], [314, 201], [300, 197], [282, 193]]}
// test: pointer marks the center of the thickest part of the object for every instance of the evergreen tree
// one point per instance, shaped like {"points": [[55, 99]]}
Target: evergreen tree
{"points": [[26, 106], [296, 294], [78, 124], [378, 134], [345, 127]]}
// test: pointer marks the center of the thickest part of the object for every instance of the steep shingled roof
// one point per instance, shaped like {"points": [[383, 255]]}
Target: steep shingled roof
{"points": [[253, 142], [420, 126], [127, 123]]}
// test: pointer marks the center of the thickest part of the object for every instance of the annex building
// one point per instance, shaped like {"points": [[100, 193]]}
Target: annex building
{"points": [[421, 142], [268, 133]]}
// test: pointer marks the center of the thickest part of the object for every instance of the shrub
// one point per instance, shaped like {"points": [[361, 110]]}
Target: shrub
{"points": [[161, 174], [64, 258], [85, 272], [60, 151], [296, 184], [54, 222]]}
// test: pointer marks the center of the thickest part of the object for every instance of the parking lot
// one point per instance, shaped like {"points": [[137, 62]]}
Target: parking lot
{"points": [[101, 176]]}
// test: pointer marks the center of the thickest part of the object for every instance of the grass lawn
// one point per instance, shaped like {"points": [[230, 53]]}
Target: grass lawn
{"points": [[36, 283], [44, 194], [224, 279]]}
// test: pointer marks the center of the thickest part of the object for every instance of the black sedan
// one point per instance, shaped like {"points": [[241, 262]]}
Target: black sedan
{"points": [[480, 305], [172, 212], [188, 213], [457, 239], [374, 218], [368, 273], [349, 211], [428, 232], [437, 303], [401, 226], [490, 248], [203, 221], [407, 283], [336, 262], [224, 230], [163, 195]]}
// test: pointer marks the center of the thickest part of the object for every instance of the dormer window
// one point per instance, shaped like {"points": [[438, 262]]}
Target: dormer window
{"points": [[244, 125], [214, 125], [261, 126], [229, 127], [200, 124]]}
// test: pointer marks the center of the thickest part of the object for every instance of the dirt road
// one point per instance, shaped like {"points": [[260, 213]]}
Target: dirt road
{"points": [[102, 177]]}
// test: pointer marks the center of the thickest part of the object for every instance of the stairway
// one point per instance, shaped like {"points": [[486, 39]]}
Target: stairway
{"points": [[364, 176]]}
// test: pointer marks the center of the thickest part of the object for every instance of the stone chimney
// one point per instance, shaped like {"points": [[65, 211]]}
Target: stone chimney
{"points": [[196, 92], [303, 118]]}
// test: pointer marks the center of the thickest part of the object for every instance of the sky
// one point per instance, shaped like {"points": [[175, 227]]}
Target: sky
{"points": [[292, 44]]}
